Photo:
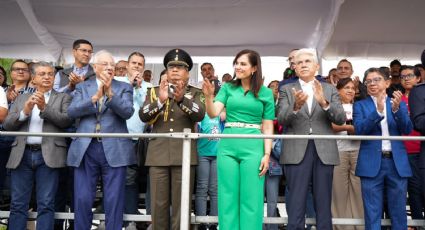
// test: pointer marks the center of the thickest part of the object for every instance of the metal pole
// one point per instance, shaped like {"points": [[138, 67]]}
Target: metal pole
{"points": [[185, 194]]}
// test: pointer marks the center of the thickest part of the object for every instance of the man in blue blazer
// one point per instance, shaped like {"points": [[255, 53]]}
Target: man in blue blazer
{"points": [[382, 165], [102, 105]]}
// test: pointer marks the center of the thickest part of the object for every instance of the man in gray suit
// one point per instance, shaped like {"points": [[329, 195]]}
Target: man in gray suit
{"points": [[309, 107], [37, 158]]}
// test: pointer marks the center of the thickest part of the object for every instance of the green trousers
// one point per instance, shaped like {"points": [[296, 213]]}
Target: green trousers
{"points": [[240, 191]]}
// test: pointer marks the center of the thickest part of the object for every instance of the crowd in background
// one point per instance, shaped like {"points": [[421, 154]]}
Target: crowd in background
{"points": [[230, 178]]}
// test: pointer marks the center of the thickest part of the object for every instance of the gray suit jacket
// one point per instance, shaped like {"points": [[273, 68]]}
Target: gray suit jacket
{"points": [[303, 123], [55, 120]]}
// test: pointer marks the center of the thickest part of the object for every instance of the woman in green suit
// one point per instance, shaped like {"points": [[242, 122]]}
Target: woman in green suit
{"points": [[242, 163]]}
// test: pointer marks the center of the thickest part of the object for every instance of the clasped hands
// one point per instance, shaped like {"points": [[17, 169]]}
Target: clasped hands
{"points": [[36, 98], [179, 90], [104, 88]]}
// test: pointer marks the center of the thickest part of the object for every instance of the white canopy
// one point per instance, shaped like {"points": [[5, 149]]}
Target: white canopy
{"points": [[45, 29]]}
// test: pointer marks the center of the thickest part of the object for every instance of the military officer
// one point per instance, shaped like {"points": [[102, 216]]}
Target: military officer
{"points": [[170, 107]]}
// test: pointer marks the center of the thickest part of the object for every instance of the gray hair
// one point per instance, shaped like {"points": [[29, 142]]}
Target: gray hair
{"points": [[35, 65], [100, 53], [307, 51]]}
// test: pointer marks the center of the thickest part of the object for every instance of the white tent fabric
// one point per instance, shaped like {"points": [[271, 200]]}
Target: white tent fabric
{"points": [[45, 29]]}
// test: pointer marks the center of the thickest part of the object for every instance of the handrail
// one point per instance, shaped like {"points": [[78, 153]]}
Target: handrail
{"points": [[187, 137]]}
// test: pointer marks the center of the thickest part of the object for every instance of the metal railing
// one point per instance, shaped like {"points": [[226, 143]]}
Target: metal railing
{"points": [[187, 136]]}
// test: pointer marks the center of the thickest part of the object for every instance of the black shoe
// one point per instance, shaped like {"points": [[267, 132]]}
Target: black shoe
{"points": [[213, 227]]}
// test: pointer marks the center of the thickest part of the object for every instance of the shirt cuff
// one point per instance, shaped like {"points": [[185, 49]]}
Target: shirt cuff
{"points": [[327, 107], [22, 116]]}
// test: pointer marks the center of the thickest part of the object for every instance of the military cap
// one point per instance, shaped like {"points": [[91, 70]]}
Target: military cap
{"points": [[179, 57]]}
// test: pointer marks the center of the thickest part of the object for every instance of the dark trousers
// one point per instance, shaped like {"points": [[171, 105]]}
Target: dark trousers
{"points": [[86, 175], [299, 176], [414, 188]]}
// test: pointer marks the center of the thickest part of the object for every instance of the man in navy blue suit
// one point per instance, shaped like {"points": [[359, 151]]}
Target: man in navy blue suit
{"points": [[103, 105], [382, 165]]}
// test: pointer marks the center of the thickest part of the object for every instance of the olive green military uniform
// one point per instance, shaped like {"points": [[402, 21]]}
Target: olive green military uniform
{"points": [[164, 156]]}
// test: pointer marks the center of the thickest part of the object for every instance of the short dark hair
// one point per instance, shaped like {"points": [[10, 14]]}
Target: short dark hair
{"points": [[395, 62], [257, 76], [4, 85], [268, 86], [343, 82], [415, 69], [345, 60], [386, 71], [379, 71], [78, 42], [420, 66], [16, 61], [136, 54], [206, 63]]}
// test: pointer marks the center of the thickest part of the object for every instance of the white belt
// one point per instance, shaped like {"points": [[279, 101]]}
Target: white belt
{"points": [[241, 125]]}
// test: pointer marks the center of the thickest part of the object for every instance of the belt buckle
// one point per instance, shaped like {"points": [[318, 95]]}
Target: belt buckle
{"points": [[386, 154]]}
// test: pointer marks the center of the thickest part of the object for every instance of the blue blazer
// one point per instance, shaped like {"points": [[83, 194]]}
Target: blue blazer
{"points": [[367, 122], [113, 116]]}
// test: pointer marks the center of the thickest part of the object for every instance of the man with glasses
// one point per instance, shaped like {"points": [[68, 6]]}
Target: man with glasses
{"points": [[67, 79], [382, 165], [170, 107], [34, 158], [103, 105], [308, 106], [121, 68]]}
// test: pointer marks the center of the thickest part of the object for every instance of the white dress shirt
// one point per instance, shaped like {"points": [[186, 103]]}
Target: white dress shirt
{"points": [[307, 88], [36, 123], [386, 144]]}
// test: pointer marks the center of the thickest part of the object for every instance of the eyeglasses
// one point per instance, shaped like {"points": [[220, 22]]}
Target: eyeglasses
{"points": [[179, 67], [42, 74], [407, 76], [25, 70], [106, 64], [120, 68], [85, 51], [375, 80]]}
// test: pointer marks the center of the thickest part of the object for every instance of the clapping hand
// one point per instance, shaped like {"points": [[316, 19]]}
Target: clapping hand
{"points": [[11, 94], [318, 93], [208, 88], [300, 98], [40, 100], [395, 101]]}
